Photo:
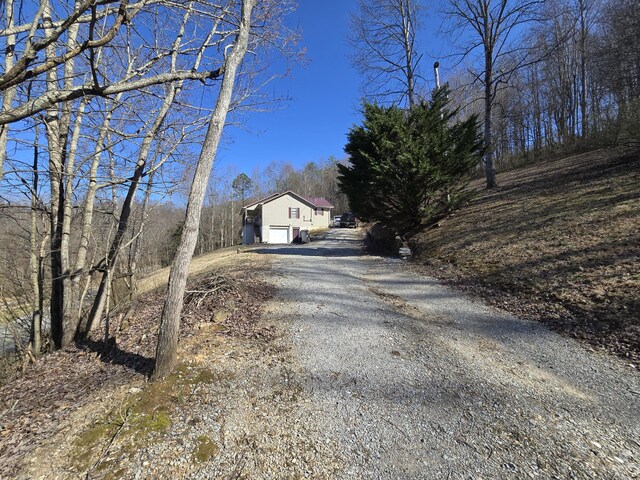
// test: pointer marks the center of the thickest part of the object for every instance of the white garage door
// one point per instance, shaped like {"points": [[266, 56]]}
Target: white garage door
{"points": [[278, 235]]}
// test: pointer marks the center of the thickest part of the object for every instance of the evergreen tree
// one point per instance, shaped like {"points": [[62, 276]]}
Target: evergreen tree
{"points": [[242, 185], [409, 168]]}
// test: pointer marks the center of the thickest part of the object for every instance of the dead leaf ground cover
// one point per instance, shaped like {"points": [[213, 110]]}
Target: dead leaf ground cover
{"points": [[557, 241], [67, 390]]}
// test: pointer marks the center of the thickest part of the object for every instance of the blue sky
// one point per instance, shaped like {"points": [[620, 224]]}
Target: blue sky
{"points": [[325, 95]]}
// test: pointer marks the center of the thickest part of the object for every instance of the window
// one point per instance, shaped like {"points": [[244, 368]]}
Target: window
{"points": [[319, 211], [294, 212]]}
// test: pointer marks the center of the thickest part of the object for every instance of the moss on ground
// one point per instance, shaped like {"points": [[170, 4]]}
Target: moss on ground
{"points": [[205, 449], [143, 415]]}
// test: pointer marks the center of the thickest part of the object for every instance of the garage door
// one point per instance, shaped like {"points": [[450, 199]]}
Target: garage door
{"points": [[279, 235]]}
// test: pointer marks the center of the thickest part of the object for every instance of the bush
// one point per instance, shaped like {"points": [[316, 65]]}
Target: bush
{"points": [[408, 169]]}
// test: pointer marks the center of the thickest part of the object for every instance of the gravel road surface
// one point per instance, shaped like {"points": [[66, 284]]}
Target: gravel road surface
{"points": [[404, 378], [366, 370]]}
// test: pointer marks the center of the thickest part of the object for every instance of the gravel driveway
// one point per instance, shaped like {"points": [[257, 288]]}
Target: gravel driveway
{"points": [[366, 370], [404, 378]]}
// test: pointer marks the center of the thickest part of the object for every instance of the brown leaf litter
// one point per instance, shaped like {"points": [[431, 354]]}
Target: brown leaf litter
{"points": [[558, 242], [86, 379]]}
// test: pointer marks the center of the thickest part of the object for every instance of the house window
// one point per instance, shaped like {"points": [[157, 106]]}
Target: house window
{"points": [[319, 211], [294, 212]]}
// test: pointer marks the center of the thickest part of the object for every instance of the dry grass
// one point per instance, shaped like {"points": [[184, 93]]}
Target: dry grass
{"points": [[558, 241], [199, 265]]}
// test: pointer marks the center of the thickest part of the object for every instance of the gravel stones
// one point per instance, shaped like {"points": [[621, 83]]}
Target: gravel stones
{"points": [[366, 370]]}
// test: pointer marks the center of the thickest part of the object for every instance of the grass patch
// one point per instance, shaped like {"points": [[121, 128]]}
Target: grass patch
{"points": [[199, 265]]}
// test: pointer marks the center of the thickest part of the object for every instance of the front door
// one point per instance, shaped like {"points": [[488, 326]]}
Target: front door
{"points": [[296, 234]]}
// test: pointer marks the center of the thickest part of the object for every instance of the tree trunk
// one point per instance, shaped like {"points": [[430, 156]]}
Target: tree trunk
{"points": [[233, 227], [70, 280], [490, 170], [56, 186], [10, 93], [35, 342], [170, 321], [57, 124], [134, 257], [408, 51], [112, 256], [584, 116]]}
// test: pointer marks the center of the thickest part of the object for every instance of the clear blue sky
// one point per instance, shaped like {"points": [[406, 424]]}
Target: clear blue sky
{"points": [[325, 95]]}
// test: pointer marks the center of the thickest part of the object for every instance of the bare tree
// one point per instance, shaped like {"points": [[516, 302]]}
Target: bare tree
{"points": [[9, 93], [617, 68], [141, 170], [60, 42], [493, 27], [582, 9], [383, 35], [37, 246], [95, 47], [170, 321]]}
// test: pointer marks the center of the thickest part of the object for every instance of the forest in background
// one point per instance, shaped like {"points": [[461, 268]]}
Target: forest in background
{"points": [[579, 88]]}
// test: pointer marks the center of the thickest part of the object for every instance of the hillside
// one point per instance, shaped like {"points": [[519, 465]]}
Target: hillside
{"points": [[557, 241], [86, 389]]}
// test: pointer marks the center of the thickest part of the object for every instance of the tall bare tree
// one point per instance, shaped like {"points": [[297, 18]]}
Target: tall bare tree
{"points": [[384, 39], [67, 63], [493, 28], [170, 321]]}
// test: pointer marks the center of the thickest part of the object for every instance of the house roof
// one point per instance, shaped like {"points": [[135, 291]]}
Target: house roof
{"points": [[317, 202], [263, 200]]}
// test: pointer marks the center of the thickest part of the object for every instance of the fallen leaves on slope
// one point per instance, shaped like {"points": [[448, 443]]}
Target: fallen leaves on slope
{"points": [[558, 242], [41, 402]]}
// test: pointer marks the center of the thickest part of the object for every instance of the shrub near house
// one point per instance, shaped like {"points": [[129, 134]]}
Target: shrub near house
{"points": [[407, 169]]}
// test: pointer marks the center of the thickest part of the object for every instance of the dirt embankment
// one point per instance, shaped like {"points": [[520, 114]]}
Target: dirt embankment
{"points": [[87, 410], [558, 242]]}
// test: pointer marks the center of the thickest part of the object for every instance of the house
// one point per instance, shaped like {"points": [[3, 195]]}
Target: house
{"points": [[281, 217]]}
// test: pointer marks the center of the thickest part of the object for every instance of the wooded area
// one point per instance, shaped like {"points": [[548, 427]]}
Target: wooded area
{"points": [[83, 168], [101, 125], [545, 75]]}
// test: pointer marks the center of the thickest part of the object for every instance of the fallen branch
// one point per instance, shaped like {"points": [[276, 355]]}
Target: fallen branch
{"points": [[209, 286], [108, 446]]}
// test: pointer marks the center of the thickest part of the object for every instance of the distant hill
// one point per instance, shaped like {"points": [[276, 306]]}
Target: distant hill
{"points": [[557, 241]]}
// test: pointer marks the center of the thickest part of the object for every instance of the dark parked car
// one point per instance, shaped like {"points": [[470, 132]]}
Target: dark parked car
{"points": [[348, 220]]}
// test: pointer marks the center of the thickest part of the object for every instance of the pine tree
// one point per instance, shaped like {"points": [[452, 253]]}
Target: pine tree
{"points": [[409, 168]]}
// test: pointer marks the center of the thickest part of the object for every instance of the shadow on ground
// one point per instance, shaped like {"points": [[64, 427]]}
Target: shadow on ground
{"points": [[110, 353]]}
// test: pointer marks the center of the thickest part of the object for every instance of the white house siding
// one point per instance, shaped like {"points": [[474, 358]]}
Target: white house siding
{"points": [[275, 214], [322, 221]]}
